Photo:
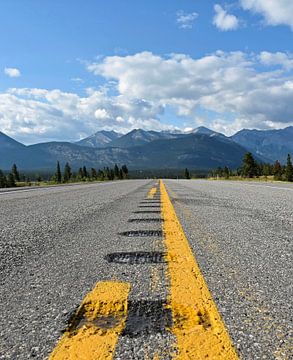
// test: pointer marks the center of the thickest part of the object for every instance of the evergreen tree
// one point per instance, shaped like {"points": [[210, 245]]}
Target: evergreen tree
{"points": [[289, 169], [58, 174], [186, 174], [116, 171], [3, 180], [125, 171], [266, 170], [67, 173], [10, 180], [219, 171], [80, 174], [101, 175], [15, 173], [226, 172], [94, 174], [277, 170], [249, 166], [120, 174], [85, 173], [111, 174], [107, 173]]}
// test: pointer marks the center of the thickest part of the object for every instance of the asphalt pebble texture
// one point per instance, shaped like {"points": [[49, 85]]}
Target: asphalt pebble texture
{"points": [[56, 243], [241, 234], [54, 247]]}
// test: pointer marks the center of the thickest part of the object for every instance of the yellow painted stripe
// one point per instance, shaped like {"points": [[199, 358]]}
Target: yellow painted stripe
{"points": [[152, 193], [197, 324], [98, 322]]}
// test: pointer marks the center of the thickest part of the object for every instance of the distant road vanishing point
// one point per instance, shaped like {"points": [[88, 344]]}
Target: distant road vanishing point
{"points": [[147, 269]]}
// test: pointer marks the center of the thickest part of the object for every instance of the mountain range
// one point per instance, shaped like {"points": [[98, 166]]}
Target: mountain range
{"points": [[200, 148]]}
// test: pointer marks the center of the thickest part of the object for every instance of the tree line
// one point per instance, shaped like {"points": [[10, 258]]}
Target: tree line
{"points": [[251, 168], [66, 175], [10, 179], [83, 174]]}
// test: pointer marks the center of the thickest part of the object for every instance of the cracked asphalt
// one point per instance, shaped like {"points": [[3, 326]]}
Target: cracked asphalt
{"points": [[56, 243]]}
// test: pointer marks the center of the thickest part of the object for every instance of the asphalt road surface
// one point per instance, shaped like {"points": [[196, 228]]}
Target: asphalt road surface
{"points": [[57, 243]]}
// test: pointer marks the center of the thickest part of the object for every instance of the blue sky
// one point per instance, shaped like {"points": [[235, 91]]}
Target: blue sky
{"points": [[70, 68]]}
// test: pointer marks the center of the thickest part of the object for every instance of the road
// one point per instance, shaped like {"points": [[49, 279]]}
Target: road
{"points": [[57, 243]]}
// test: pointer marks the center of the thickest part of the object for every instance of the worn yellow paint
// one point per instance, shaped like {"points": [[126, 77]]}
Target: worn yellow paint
{"points": [[152, 193], [87, 337], [197, 324]]}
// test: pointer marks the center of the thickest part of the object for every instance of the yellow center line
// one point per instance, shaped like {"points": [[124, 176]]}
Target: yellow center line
{"points": [[197, 324], [152, 193], [97, 324]]}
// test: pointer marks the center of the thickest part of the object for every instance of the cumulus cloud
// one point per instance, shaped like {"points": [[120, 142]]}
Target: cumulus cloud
{"points": [[224, 21], [186, 20], [275, 12], [12, 72], [278, 58], [34, 115], [238, 89], [220, 82]]}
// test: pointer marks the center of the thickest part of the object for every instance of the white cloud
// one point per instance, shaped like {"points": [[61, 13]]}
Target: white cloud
{"points": [[238, 89], [224, 21], [101, 114], [221, 82], [12, 72], [186, 20], [278, 58], [275, 12], [34, 115]]}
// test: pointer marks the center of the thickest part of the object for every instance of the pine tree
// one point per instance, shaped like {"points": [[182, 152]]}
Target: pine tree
{"points": [[15, 173], [111, 174], [58, 173], [249, 167], [3, 180], [116, 171], [10, 180], [85, 173], [289, 169], [101, 175], [266, 170], [277, 170], [125, 171], [67, 173], [80, 174], [94, 174], [107, 173], [120, 174], [226, 172], [186, 174]]}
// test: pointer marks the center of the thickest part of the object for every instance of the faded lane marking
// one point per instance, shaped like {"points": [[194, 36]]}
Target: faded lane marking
{"points": [[152, 193], [94, 331], [269, 186], [197, 325]]}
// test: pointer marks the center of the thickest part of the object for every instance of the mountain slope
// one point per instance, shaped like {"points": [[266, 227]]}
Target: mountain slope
{"points": [[193, 151], [139, 149], [78, 156], [11, 151], [138, 137], [99, 139], [8, 143], [270, 144]]}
